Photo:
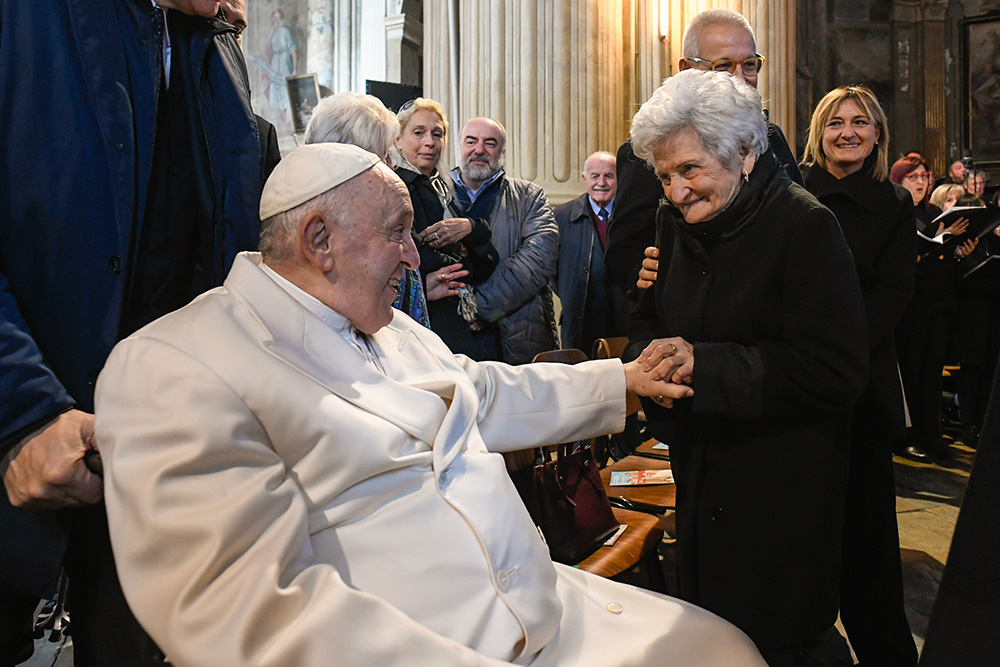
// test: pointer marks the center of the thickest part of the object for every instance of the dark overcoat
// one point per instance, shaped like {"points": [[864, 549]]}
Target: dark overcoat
{"points": [[878, 221], [768, 295], [76, 148], [479, 258]]}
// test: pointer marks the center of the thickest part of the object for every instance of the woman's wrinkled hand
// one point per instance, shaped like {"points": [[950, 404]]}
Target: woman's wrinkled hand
{"points": [[443, 283], [445, 232], [670, 359], [650, 266]]}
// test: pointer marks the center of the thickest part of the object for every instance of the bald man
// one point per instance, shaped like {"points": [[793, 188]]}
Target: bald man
{"points": [[581, 282], [515, 304]]}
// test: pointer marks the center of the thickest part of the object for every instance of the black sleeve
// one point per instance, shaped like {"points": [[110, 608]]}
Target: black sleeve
{"points": [[483, 256], [782, 153], [269, 154], [896, 271], [631, 230]]}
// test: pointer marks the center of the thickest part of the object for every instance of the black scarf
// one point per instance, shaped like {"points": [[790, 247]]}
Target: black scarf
{"points": [[689, 258]]}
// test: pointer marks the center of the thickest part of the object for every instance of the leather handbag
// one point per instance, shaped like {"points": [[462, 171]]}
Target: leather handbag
{"points": [[566, 500]]}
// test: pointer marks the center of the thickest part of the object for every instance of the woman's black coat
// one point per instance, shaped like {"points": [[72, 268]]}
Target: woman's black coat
{"points": [[878, 221], [768, 295], [479, 259]]}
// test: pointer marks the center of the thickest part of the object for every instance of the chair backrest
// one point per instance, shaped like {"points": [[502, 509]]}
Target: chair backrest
{"points": [[610, 348], [567, 356], [614, 348]]}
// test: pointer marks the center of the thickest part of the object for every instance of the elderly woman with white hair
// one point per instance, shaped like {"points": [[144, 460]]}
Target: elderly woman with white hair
{"points": [[363, 121], [756, 284]]}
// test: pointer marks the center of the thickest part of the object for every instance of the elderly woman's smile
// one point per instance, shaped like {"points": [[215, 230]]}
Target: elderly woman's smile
{"points": [[694, 180]]}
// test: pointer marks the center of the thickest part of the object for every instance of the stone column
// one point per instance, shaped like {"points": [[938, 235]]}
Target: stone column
{"points": [[404, 42], [553, 73], [935, 64], [773, 22]]}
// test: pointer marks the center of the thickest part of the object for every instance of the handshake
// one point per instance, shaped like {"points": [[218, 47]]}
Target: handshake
{"points": [[663, 371]]}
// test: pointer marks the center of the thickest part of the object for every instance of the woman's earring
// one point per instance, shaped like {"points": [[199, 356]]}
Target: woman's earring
{"points": [[746, 176]]}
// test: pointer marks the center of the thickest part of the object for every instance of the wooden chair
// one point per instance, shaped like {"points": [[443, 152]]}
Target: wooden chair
{"points": [[655, 499], [566, 356], [643, 533], [636, 546], [614, 348]]}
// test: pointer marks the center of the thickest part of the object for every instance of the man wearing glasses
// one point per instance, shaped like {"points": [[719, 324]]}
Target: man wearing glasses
{"points": [[716, 39]]}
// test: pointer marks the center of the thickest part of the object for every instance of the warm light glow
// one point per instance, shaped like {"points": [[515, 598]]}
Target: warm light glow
{"points": [[664, 18]]}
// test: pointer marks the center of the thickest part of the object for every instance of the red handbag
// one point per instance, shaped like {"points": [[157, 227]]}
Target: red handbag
{"points": [[566, 500]]}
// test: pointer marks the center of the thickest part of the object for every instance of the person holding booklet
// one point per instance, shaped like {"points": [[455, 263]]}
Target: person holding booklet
{"points": [[924, 331]]}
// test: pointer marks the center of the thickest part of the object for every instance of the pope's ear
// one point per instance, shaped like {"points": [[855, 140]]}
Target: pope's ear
{"points": [[316, 243]]}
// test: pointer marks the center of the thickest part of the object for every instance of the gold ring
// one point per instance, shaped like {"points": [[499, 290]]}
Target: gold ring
{"points": [[443, 277], [658, 399], [673, 349]]}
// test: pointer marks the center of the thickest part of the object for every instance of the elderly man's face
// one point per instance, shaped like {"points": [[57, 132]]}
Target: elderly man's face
{"points": [[723, 42], [600, 179], [482, 150], [976, 185], [371, 252]]}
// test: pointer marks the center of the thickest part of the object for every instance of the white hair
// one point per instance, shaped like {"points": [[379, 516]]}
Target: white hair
{"points": [[710, 17], [722, 110], [353, 118]]}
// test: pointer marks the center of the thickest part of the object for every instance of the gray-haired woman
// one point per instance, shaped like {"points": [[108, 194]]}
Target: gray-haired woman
{"points": [[757, 284]]}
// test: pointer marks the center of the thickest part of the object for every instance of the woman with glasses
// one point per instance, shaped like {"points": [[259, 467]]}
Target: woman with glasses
{"points": [[451, 248], [925, 330], [846, 168]]}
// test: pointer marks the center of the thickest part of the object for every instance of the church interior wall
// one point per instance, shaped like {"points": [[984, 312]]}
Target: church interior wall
{"points": [[566, 76]]}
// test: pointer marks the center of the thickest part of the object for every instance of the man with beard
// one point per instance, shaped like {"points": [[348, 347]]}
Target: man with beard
{"points": [[583, 235], [517, 317]]}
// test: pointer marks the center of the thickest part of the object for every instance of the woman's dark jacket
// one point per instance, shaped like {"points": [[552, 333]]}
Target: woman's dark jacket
{"points": [[479, 258], [768, 295], [878, 221]]}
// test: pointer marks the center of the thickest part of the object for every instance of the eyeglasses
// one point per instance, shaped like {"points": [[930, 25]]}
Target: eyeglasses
{"points": [[750, 66], [913, 177]]}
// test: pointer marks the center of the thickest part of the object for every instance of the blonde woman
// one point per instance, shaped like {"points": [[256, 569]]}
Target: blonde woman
{"points": [[847, 169]]}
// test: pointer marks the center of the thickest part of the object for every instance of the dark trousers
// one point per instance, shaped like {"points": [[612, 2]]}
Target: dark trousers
{"points": [[105, 633], [16, 615], [871, 579], [922, 346]]}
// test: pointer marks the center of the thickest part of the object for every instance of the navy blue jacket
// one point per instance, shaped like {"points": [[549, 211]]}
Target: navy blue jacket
{"points": [[73, 160], [76, 151]]}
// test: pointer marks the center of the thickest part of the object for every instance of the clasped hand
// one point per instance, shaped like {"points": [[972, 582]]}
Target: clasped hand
{"points": [[663, 371], [46, 468]]}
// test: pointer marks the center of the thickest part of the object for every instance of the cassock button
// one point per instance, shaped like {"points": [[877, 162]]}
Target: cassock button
{"points": [[115, 263], [503, 581], [614, 607]]}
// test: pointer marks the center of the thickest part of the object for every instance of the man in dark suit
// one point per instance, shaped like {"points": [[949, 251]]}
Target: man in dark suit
{"points": [[101, 231], [581, 282], [718, 39]]}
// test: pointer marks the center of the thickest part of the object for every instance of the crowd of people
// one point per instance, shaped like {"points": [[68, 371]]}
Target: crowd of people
{"points": [[308, 368]]}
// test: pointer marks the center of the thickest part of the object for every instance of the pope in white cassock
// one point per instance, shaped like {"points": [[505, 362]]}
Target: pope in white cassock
{"points": [[299, 475]]}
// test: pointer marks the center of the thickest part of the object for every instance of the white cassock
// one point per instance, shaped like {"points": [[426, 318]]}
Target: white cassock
{"points": [[275, 499]]}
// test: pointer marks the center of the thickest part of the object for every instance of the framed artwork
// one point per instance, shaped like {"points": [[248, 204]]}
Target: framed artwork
{"points": [[981, 64], [303, 96]]}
